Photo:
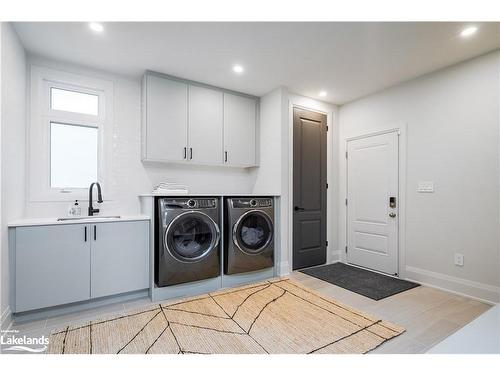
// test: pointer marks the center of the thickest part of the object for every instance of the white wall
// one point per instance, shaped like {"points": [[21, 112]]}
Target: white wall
{"points": [[267, 178], [452, 119], [13, 136], [129, 177]]}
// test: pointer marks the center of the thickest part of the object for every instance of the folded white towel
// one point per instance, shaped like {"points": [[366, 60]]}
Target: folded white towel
{"points": [[169, 192], [170, 188]]}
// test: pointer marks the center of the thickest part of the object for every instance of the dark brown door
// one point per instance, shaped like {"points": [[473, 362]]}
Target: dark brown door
{"points": [[309, 188]]}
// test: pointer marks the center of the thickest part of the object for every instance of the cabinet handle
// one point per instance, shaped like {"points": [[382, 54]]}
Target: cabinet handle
{"points": [[225, 156], [95, 232], [185, 152], [190, 153], [85, 231]]}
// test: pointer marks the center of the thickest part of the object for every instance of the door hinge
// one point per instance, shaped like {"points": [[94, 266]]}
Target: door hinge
{"points": [[327, 128], [327, 185], [346, 249], [326, 243]]}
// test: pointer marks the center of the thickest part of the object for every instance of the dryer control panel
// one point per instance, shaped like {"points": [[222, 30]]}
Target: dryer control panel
{"points": [[251, 202]]}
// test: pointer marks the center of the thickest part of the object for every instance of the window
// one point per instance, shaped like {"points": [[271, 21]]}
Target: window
{"points": [[69, 127], [73, 155], [73, 101]]}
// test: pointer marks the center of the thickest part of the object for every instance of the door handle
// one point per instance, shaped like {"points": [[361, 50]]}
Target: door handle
{"points": [[185, 152], [296, 208], [95, 232], [392, 214], [85, 230], [190, 153], [225, 156]]}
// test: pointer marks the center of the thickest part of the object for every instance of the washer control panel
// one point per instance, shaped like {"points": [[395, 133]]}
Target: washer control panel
{"points": [[251, 202]]}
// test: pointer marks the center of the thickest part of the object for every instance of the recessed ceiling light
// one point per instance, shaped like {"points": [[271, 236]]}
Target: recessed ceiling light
{"points": [[97, 27], [238, 69], [468, 31], [322, 94]]}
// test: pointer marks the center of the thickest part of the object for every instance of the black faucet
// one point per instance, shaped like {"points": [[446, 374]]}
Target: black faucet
{"points": [[93, 210]]}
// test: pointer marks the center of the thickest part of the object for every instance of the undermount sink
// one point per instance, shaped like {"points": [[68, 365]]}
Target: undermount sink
{"points": [[87, 218]]}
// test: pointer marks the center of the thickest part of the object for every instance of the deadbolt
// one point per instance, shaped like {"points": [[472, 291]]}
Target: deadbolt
{"points": [[392, 202], [392, 214]]}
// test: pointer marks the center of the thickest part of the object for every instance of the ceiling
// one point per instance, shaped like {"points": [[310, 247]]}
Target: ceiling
{"points": [[347, 60]]}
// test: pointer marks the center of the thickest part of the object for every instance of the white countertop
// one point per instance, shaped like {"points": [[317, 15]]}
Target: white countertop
{"points": [[29, 222], [210, 195]]}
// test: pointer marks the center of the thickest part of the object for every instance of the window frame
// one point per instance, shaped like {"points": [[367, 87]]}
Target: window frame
{"points": [[42, 79]]}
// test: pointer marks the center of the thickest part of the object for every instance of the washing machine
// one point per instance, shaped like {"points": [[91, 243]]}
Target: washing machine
{"points": [[249, 235], [188, 240]]}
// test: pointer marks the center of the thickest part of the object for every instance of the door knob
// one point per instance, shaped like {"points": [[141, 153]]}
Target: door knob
{"points": [[392, 214], [296, 208]]}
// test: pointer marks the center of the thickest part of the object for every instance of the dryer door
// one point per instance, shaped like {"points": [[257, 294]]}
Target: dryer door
{"points": [[191, 236], [253, 232]]}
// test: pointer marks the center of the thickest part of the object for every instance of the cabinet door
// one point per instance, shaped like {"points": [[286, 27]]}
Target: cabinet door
{"points": [[205, 125], [120, 257], [52, 266], [239, 130], [166, 119]]}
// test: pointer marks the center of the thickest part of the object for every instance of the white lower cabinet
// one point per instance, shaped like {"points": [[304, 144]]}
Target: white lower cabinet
{"points": [[52, 266], [66, 263], [119, 259]]}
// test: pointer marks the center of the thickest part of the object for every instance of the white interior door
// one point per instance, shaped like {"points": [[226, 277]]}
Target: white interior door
{"points": [[372, 202]]}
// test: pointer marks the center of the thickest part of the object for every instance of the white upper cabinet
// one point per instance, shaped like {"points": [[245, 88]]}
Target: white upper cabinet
{"points": [[186, 122], [165, 111], [239, 130], [205, 125]]}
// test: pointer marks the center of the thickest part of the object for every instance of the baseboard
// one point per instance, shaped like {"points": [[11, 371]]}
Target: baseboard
{"points": [[6, 319], [482, 292]]}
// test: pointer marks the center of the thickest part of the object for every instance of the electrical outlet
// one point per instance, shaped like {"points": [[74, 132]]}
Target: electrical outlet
{"points": [[459, 259]]}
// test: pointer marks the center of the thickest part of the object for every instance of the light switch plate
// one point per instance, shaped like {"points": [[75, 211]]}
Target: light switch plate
{"points": [[426, 186]]}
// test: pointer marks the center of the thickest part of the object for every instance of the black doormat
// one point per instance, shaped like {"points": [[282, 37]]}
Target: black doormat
{"points": [[367, 283]]}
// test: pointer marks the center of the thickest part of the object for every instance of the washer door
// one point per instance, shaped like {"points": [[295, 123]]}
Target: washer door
{"points": [[253, 232], [191, 236]]}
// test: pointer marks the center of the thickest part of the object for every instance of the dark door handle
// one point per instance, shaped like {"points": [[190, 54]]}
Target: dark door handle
{"points": [[190, 153], [296, 208], [95, 232], [85, 230], [185, 152]]}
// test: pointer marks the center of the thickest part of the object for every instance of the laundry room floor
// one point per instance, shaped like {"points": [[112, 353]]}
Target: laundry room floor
{"points": [[429, 315]]}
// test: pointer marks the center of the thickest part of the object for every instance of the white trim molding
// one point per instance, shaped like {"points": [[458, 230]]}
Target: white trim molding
{"points": [[482, 292]]}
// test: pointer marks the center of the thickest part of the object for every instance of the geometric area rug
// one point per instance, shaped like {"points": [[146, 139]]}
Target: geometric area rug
{"points": [[275, 316]]}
